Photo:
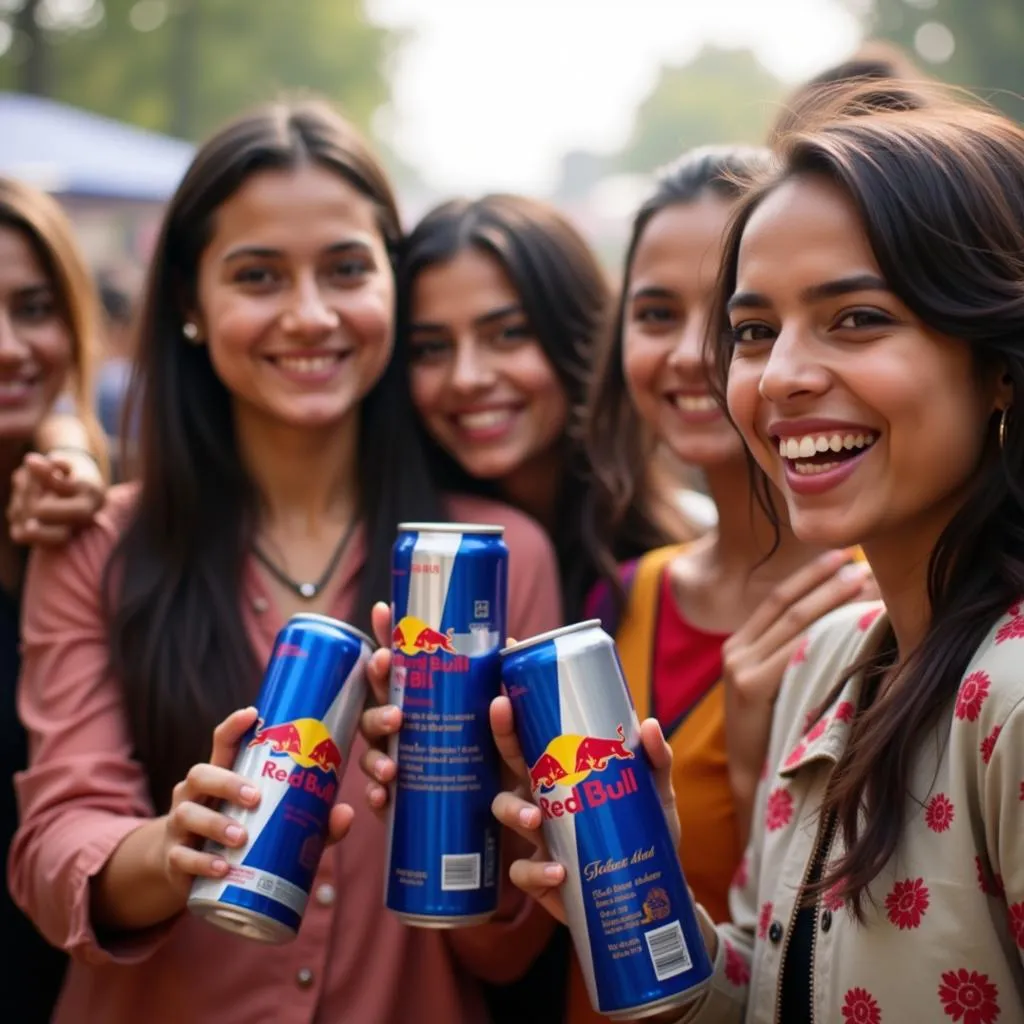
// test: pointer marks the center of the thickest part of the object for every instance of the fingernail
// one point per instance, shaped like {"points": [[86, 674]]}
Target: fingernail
{"points": [[220, 866], [234, 833], [526, 816], [249, 794], [378, 772], [859, 571], [554, 872]]}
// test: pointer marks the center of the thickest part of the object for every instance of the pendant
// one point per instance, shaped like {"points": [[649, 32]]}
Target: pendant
{"points": [[307, 590]]}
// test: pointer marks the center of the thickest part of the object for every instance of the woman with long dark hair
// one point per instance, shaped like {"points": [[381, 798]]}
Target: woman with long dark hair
{"points": [[873, 287], [277, 456], [501, 307]]}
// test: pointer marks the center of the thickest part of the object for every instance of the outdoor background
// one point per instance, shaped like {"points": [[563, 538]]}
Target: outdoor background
{"points": [[575, 100]]}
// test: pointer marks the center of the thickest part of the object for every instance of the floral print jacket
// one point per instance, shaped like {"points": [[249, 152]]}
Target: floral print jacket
{"points": [[943, 937]]}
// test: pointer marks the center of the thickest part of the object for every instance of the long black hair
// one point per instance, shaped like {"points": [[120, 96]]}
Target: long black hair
{"points": [[177, 639], [565, 297], [940, 193]]}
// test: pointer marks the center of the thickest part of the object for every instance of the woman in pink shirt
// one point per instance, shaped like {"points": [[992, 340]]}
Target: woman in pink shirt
{"points": [[277, 459]]}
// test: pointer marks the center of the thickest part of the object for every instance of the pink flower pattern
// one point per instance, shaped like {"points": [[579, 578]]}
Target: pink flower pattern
{"points": [[737, 970], [861, 1007], [969, 997], [845, 711], [971, 696], [907, 903], [764, 919], [1017, 923], [1014, 629], [939, 813], [988, 744], [779, 809]]}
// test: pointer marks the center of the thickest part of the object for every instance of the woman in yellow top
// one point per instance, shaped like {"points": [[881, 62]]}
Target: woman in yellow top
{"points": [[706, 629]]}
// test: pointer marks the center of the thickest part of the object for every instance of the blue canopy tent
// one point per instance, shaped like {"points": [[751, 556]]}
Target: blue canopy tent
{"points": [[75, 154]]}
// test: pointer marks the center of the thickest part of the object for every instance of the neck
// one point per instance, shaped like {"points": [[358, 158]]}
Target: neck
{"points": [[536, 486], [305, 478], [745, 535], [900, 569]]}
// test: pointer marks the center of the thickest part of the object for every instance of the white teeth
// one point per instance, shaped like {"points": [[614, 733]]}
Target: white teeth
{"points": [[814, 444], [307, 364], [812, 469], [14, 387], [485, 420], [695, 403]]}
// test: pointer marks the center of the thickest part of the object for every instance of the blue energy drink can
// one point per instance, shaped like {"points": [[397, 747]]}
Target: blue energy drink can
{"points": [[632, 921], [449, 594], [313, 693]]}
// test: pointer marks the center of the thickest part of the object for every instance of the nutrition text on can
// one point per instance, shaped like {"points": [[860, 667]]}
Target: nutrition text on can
{"points": [[632, 921], [449, 595]]}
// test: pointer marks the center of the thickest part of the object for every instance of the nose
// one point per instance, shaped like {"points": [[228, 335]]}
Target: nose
{"points": [[687, 355], [472, 370], [308, 314], [794, 367]]}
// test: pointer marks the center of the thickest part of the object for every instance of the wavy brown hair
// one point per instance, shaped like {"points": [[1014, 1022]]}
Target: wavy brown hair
{"points": [[40, 219], [940, 193], [630, 507], [177, 640]]}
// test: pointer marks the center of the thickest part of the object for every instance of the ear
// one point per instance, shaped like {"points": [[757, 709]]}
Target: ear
{"points": [[1003, 396]]}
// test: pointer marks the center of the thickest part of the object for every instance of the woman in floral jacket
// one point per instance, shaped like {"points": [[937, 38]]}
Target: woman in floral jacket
{"points": [[873, 289]]}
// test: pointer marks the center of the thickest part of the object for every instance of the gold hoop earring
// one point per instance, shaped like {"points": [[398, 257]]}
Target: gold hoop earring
{"points": [[1002, 428]]}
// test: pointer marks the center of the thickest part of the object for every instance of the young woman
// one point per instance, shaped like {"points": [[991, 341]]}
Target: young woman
{"points": [[704, 629], [501, 306], [276, 451], [873, 287], [47, 333]]}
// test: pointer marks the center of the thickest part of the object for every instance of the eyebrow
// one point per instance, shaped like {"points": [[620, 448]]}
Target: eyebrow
{"points": [[816, 292], [264, 252], [652, 292], [501, 313]]}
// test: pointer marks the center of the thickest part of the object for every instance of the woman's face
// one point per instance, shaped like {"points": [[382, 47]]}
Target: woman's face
{"points": [[870, 423], [296, 298], [35, 342], [480, 380], [668, 307]]}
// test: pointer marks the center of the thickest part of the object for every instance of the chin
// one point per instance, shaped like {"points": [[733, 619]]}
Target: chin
{"points": [[824, 528]]}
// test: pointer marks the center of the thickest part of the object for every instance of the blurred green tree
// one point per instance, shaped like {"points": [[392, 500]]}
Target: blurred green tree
{"points": [[975, 44], [721, 96], [184, 66]]}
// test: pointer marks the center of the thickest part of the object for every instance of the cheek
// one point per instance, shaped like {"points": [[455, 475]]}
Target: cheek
{"points": [[426, 386], [742, 399], [369, 315], [535, 378], [640, 362], [53, 349]]}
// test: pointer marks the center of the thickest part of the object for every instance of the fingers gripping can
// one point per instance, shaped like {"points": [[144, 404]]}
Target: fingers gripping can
{"points": [[449, 594], [313, 693], [633, 923]]}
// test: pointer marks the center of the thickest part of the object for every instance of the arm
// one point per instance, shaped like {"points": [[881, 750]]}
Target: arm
{"points": [[66, 434], [502, 950], [83, 793]]}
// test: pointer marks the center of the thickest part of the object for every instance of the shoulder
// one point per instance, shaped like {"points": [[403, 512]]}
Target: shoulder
{"points": [[524, 536], [992, 690]]}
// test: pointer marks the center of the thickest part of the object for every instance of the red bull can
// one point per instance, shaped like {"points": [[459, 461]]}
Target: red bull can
{"points": [[632, 921], [449, 588], [313, 693]]}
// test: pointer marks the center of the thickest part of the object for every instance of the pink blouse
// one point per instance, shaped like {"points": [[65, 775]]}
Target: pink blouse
{"points": [[353, 962]]}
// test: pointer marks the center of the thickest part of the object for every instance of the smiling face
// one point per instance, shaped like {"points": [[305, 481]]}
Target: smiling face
{"points": [[671, 290], [35, 342], [296, 298], [871, 424], [480, 380]]}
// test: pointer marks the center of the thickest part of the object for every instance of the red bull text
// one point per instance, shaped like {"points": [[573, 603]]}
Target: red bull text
{"points": [[313, 692], [449, 592], [632, 921]]}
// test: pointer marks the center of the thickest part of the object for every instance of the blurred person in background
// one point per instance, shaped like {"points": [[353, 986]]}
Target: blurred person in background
{"points": [[277, 449], [48, 332], [873, 284], [502, 304], [114, 372], [704, 630]]}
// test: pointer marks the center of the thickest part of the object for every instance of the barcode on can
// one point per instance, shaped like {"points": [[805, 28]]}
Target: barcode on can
{"points": [[460, 871], [667, 947]]}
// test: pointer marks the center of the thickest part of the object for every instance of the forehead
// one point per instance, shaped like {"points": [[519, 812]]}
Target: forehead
{"points": [[308, 206], [20, 265], [805, 231], [684, 237], [470, 284]]}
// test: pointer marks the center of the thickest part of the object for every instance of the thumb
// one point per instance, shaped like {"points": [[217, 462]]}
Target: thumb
{"points": [[228, 735]]}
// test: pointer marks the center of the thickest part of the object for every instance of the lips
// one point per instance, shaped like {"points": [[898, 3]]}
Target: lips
{"points": [[486, 424], [818, 456], [308, 367]]}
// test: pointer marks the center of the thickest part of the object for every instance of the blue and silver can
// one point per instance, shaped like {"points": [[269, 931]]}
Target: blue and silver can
{"points": [[449, 593], [632, 920], [313, 693]]}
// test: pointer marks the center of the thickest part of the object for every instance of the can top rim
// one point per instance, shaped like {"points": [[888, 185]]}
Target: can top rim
{"points": [[450, 528], [551, 634], [316, 617]]}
